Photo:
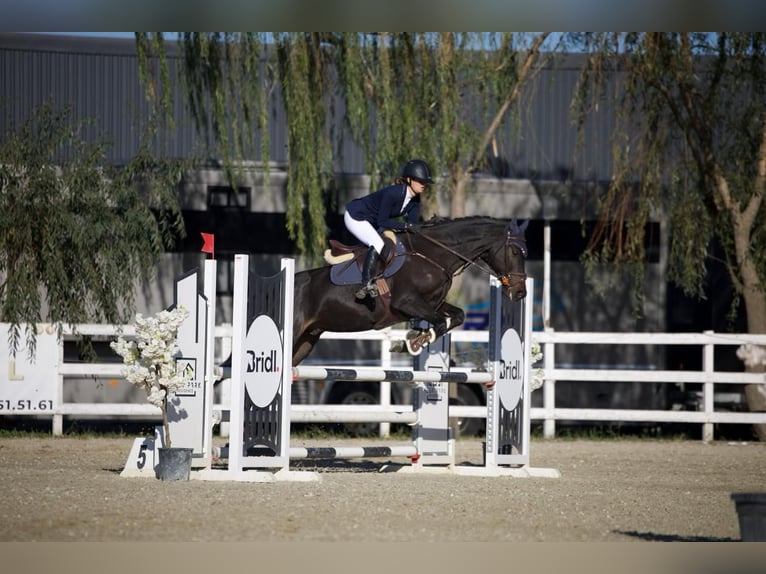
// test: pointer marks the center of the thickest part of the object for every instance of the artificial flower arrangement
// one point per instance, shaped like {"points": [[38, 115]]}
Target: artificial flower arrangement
{"points": [[752, 355], [150, 358], [537, 374]]}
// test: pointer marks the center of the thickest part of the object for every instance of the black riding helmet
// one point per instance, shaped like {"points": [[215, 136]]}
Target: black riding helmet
{"points": [[418, 170]]}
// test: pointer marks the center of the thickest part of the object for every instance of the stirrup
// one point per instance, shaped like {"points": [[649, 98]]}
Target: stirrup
{"points": [[371, 290]]}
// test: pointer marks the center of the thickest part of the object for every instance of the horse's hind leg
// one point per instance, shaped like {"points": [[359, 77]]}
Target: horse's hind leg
{"points": [[302, 346]]}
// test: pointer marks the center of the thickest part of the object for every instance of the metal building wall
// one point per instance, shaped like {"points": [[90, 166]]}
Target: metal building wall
{"points": [[98, 77]]}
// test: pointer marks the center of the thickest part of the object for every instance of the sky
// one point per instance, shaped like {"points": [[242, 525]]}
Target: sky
{"points": [[516, 15]]}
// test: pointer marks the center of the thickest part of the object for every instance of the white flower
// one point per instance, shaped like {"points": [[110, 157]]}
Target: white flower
{"points": [[752, 355], [150, 358], [537, 374]]}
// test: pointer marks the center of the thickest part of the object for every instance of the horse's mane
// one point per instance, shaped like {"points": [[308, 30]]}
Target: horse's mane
{"points": [[437, 221], [475, 231], [466, 231]]}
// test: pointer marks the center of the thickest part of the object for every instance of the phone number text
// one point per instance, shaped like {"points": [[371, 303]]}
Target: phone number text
{"points": [[25, 405]]}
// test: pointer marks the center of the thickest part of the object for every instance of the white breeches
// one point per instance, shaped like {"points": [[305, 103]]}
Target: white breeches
{"points": [[364, 232]]}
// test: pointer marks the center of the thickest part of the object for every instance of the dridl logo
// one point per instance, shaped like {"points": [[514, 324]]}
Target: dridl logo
{"points": [[262, 361], [510, 370], [509, 376]]}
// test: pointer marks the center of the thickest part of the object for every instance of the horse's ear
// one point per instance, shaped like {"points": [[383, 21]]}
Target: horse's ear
{"points": [[516, 228]]}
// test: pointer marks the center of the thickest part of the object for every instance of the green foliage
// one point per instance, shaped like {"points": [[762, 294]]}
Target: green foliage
{"points": [[303, 73], [695, 106], [403, 95], [76, 233]]}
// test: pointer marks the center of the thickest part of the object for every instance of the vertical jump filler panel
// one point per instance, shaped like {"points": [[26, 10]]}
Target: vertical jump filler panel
{"points": [[508, 402], [261, 368]]}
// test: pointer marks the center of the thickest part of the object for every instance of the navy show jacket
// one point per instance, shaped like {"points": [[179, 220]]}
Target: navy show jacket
{"points": [[381, 207]]}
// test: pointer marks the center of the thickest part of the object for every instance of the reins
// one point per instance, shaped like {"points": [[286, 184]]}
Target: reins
{"points": [[505, 279]]}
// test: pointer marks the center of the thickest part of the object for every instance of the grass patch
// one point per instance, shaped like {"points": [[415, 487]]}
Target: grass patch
{"points": [[30, 427], [20, 427]]}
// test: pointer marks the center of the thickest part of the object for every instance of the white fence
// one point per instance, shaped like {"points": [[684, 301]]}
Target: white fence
{"points": [[710, 379]]}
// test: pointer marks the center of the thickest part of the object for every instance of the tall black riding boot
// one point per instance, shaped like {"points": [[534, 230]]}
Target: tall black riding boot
{"points": [[368, 273]]}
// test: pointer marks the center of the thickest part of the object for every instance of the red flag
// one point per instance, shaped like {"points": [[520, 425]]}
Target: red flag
{"points": [[209, 244]]}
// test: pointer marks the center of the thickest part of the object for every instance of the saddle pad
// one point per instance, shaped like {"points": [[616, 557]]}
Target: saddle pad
{"points": [[348, 272]]}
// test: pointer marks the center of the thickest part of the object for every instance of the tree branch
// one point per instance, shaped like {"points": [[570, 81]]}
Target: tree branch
{"points": [[756, 199], [530, 59]]}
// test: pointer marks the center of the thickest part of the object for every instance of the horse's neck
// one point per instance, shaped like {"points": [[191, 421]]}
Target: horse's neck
{"points": [[454, 250]]}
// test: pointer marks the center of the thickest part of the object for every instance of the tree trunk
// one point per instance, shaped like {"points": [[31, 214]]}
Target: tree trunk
{"points": [[755, 395], [755, 310], [743, 219], [165, 424]]}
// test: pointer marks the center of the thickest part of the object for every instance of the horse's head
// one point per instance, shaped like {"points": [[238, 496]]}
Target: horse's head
{"points": [[507, 259]]}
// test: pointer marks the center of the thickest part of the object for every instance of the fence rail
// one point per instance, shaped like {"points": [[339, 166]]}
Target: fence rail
{"points": [[708, 377], [549, 414]]}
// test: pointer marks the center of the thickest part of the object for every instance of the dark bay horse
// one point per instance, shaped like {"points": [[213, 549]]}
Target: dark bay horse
{"points": [[435, 251]]}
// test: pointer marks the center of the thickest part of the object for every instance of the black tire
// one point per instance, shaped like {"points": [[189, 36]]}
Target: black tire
{"points": [[465, 427], [360, 396]]}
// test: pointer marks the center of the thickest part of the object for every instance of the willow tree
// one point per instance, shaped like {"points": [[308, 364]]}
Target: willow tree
{"points": [[695, 106], [438, 96], [76, 232]]}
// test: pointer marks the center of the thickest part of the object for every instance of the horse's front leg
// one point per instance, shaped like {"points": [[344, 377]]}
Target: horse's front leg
{"points": [[452, 317], [446, 318]]}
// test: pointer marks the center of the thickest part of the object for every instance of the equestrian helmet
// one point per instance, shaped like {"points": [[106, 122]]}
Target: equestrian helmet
{"points": [[418, 170]]}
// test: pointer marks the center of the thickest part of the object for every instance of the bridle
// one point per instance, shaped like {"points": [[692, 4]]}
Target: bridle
{"points": [[513, 278], [509, 280]]}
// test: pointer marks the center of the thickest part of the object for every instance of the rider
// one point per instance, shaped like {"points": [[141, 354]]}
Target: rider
{"points": [[367, 216]]}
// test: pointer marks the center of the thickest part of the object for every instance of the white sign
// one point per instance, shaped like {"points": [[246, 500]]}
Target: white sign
{"points": [[194, 385], [511, 373], [28, 387], [263, 361], [186, 407]]}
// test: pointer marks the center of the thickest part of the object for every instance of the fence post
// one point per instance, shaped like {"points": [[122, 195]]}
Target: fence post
{"points": [[708, 366], [57, 423], [549, 388]]}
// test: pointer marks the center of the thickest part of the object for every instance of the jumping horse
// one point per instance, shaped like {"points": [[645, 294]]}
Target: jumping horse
{"points": [[428, 257]]}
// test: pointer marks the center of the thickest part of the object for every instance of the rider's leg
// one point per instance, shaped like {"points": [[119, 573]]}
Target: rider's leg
{"points": [[370, 270], [368, 273], [367, 234], [364, 232]]}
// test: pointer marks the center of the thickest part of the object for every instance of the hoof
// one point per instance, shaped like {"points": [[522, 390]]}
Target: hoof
{"points": [[414, 347], [416, 343]]}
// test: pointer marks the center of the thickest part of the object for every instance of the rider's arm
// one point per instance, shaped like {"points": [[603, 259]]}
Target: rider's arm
{"points": [[389, 210]]}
